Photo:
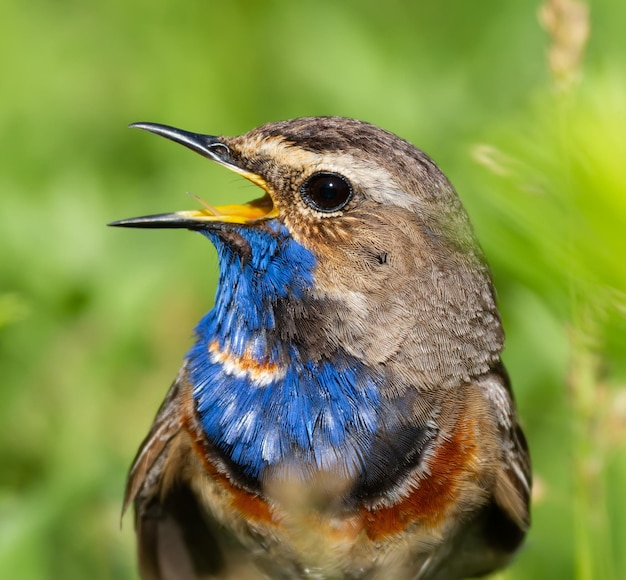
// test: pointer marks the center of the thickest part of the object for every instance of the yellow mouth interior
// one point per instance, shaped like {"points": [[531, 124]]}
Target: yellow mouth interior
{"points": [[258, 209]]}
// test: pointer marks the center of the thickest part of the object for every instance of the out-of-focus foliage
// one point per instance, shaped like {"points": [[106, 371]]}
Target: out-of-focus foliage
{"points": [[94, 322]]}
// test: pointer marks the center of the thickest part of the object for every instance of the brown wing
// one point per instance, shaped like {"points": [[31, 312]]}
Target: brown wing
{"points": [[489, 539], [495, 535], [174, 537], [514, 480]]}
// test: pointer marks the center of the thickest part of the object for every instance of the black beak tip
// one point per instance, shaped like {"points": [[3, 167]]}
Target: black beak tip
{"points": [[151, 221], [126, 223], [139, 125], [166, 131]]}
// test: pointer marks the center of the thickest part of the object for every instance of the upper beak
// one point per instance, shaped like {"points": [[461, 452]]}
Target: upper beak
{"points": [[217, 150]]}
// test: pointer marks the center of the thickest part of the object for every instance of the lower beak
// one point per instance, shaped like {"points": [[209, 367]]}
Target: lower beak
{"points": [[256, 210], [217, 150]]}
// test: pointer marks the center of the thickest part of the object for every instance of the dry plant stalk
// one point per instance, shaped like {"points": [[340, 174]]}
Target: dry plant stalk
{"points": [[567, 23]]}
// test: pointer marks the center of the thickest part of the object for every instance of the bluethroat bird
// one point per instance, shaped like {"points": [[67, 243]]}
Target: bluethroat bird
{"points": [[344, 412]]}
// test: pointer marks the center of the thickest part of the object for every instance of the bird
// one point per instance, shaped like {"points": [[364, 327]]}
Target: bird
{"points": [[344, 412]]}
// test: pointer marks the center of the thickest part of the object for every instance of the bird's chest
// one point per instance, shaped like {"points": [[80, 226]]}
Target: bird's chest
{"points": [[283, 417], [294, 529]]}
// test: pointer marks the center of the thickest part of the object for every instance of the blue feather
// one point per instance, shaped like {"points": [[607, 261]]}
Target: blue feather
{"points": [[316, 413]]}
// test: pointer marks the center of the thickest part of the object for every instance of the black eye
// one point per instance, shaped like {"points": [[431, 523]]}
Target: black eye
{"points": [[327, 192]]}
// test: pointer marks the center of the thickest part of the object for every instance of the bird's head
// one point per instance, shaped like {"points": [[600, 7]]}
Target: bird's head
{"points": [[372, 239]]}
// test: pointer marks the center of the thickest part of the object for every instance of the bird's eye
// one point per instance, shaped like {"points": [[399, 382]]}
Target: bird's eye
{"points": [[326, 192]]}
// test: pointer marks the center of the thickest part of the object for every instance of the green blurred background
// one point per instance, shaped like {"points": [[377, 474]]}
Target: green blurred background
{"points": [[527, 120]]}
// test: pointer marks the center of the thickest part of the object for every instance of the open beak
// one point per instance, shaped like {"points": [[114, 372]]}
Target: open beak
{"points": [[215, 149]]}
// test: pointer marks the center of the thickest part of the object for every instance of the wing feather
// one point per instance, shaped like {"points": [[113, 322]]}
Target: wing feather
{"points": [[175, 538]]}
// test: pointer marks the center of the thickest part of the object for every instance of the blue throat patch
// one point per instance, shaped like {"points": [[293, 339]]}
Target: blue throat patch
{"points": [[261, 402]]}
